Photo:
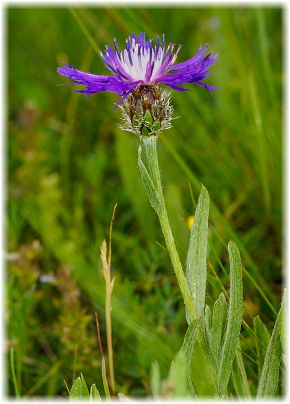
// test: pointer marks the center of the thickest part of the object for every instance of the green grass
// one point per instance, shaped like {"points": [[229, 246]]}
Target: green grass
{"points": [[68, 165]]}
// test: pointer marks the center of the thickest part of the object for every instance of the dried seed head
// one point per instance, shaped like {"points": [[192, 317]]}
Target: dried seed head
{"points": [[147, 111]]}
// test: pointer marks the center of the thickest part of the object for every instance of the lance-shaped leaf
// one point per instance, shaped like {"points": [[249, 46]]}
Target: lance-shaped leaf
{"points": [[94, 393], [207, 331], [239, 376], [262, 338], [188, 345], [219, 317], [213, 326], [197, 252], [269, 380], [177, 376], [79, 389], [234, 319]]}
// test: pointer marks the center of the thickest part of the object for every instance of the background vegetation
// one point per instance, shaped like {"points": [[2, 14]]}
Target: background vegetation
{"points": [[69, 164]]}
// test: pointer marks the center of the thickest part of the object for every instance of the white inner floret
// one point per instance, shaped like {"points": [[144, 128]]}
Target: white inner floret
{"points": [[140, 59]]}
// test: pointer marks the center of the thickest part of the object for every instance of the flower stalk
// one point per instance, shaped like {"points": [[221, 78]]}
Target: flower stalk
{"points": [[152, 182], [138, 74]]}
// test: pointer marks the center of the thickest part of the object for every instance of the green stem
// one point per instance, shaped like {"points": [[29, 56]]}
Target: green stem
{"points": [[150, 144]]}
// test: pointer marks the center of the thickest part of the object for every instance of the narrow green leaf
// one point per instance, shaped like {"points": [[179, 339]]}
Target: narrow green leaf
{"points": [[214, 325], [257, 278], [177, 376], [79, 388], [84, 385], [234, 319], [202, 373], [219, 317], [189, 342], [105, 382], [94, 393], [175, 209], [269, 380], [155, 379], [262, 338], [190, 338], [196, 270], [206, 328], [76, 391], [239, 376], [148, 184]]}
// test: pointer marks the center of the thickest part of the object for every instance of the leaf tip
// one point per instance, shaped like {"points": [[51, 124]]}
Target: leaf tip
{"points": [[233, 248]]}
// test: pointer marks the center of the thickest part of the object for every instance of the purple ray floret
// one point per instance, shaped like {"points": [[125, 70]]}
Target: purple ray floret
{"points": [[143, 62]]}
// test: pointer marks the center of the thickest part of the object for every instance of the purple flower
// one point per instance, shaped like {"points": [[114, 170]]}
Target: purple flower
{"points": [[143, 63]]}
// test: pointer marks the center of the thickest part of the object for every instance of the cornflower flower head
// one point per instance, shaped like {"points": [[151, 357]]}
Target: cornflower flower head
{"points": [[138, 71]]}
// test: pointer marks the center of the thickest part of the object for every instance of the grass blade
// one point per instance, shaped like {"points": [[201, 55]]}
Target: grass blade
{"points": [[85, 30], [197, 253], [44, 379], [14, 378], [269, 380], [234, 319], [282, 328]]}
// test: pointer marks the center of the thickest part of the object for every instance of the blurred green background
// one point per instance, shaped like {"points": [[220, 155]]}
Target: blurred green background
{"points": [[69, 164]]}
